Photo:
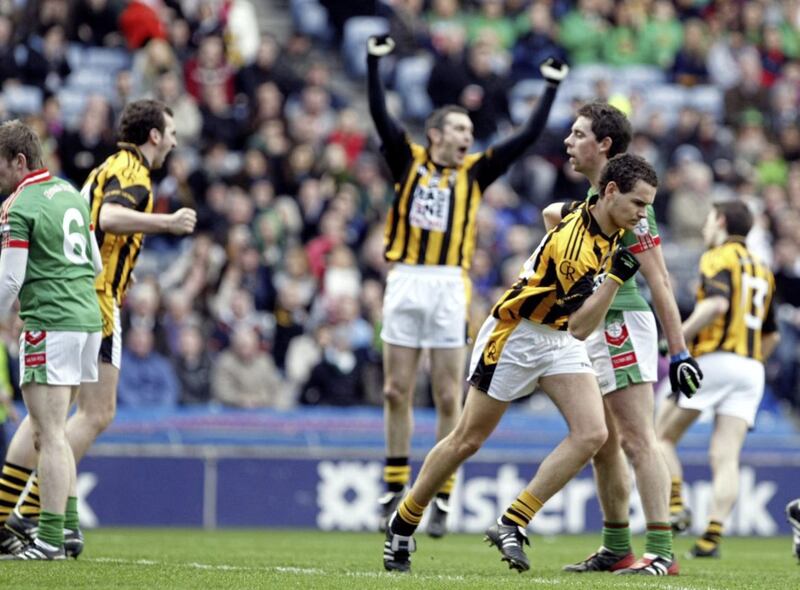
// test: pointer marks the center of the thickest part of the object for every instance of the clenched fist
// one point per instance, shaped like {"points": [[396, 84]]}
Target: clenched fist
{"points": [[183, 221]]}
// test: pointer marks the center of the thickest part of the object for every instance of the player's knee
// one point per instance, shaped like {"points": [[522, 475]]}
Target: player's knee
{"points": [[447, 401], [719, 456], [638, 447], [592, 438], [99, 418], [394, 394]]}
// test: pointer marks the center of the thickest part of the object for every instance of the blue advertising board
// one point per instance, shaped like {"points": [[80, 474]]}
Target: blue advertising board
{"points": [[342, 494]]}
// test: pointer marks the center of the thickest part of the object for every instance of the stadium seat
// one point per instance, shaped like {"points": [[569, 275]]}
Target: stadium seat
{"points": [[519, 97], [107, 59], [592, 72], [75, 55], [640, 76], [666, 99], [707, 99], [311, 18], [411, 80], [23, 100], [357, 30], [92, 81], [72, 103]]}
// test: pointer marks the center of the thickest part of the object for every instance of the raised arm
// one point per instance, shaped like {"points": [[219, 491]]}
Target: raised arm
{"points": [[388, 129], [504, 152]]}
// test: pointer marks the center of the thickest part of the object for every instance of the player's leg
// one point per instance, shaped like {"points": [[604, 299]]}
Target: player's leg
{"points": [[612, 479], [97, 400], [90, 375], [48, 406], [724, 451], [672, 422], [633, 409], [577, 397], [447, 378], [16, 472], [478, 420], [96, 408], [793, 516], [400, 375]]}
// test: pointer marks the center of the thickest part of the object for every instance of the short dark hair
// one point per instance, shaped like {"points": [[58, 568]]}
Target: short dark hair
{"points": [[738, 218], [18, 138], [625, 170], [139, 117], [437, 118], [608, 121]]}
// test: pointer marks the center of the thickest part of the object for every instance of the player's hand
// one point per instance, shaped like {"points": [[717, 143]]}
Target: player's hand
{"points": [[623, 265], [554, 70], [684, 374], [578, 293], [183, 221], [380, 45]]}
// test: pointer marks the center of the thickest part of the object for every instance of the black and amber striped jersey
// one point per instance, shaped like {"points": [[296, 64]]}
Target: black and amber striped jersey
{"points": [[432, 218], [733, 272], [123, 179], [574, 251]]}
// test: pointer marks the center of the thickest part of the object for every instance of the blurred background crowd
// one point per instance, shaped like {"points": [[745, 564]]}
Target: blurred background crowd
{"points": [[276, 301]]}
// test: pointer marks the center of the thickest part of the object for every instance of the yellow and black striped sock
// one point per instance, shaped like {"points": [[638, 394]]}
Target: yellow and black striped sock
{"points": [[30, 506], [522, 510], [712, 537], [409, 513], [396, 473], [675, 497], [447, 488], [12, 482]]}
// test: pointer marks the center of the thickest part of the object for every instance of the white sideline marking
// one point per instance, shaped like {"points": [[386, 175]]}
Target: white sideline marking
{"points": [[310, 571]]}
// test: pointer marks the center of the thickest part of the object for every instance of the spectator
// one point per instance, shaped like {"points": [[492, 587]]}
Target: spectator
{"points": [[244, 376], [46, 64], [193, 366], [536, 43], [267, 67], [689, 68], [147, 379], [209, 69], [336, 379], [91, 143], [95, 24]]}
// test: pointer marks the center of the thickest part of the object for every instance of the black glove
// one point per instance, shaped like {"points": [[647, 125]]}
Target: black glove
{"points": [[684, 374], [380, 45], [554, 70], [578, 293], [623, 265]]}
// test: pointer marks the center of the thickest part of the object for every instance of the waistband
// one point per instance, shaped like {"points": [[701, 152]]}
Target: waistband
{"points": [[428, 270]]}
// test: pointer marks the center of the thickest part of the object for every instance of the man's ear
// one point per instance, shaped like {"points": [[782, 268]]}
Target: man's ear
{"points": [[434, 135], [154, 135], [611, 189], [605, 146]]}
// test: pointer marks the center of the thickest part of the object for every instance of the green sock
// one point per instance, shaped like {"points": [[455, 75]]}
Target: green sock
{"points": [[659, 539], [71, 521], [617, 536], [51, 528]]}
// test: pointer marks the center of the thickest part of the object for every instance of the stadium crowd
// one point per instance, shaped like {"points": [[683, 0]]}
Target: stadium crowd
{"points": [[276, 300]]}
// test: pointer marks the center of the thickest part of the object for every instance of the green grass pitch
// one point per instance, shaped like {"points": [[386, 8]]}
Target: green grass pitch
{"points": [[178, 558]]}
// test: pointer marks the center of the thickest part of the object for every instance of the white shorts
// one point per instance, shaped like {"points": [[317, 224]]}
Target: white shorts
{"points": [[58, 358], [426, 307], [624, 350], [733, 385], [510, 357]]}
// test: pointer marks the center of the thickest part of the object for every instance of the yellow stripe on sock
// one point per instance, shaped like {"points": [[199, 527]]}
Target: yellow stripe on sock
{"points": [[395, 474], [448, 486], [4, 483], [30, 511], [16, 473], [410, 511], [523, 509]]}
